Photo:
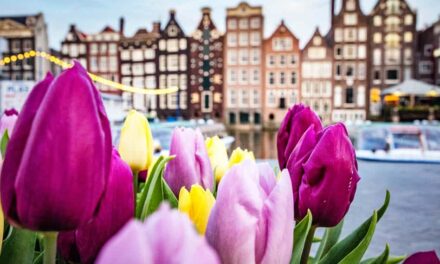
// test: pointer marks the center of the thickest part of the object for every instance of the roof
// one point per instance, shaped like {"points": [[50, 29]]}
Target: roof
{"points": [[108, 29], [413, 87]]}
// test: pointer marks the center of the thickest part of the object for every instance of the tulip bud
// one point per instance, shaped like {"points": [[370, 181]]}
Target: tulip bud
{"points": [[239, 155], [167, 236], [218, 156], [117, 208], [197, 204], [297, 120], [191, 163], [324, 174], [136, 142], [252, 219], [7, 122], [58, 159], [427, 257]]}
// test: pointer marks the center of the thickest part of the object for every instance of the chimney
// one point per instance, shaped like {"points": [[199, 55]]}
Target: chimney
{"points": [[72, 27], [332, 10], [121, 25], [156, 27], [172, 13]]}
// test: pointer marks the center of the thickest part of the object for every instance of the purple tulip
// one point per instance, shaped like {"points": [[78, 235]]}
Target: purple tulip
{"points": [[58, 159], [324, 174], [117, 208], [167, 236], [191, 164], [252, 219], [297, 120], [7, 121], [427, 257]]}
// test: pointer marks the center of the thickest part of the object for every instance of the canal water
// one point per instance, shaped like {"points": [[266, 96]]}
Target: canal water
{"points": [[412, 222]]}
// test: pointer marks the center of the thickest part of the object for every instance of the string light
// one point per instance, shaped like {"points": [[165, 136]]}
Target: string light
{"points": [[94, 77]]}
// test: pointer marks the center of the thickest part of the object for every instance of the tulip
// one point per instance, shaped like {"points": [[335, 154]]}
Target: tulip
{"points": [[218, 156], [427, 257], [252, 219], [191, 163], [167, 236], [297, 120], [7, 121], [239, 155], [136, 142], [117, 208], [197, 204], [58, 159], [324, 175]]}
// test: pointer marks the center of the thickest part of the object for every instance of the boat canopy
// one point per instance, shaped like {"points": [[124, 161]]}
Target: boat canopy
{"points": [[413, 87]]}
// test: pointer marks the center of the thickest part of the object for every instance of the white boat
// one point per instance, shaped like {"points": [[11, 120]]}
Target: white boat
{"points": [[401, 143]]}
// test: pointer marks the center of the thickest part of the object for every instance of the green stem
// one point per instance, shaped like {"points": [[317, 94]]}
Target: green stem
{"points": [[50, 247], [308, 245], [136, 185]]}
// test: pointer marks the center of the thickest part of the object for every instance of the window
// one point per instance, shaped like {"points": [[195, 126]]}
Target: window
{"points": [[243, 77], [377, 21], [362, 52], [349, 70], [183, 82], [232, 39], [172, 45], [349, 95], [427, 50], [279, 44], [232, 98], [149, 53], [377, 57], [103, 48], [243, 23], [243, 41], [361, 71], [256, 96], [255, 76], [93, 64], [138, 69], [362, 34], [271, 78], [172, 63], [150, 82], [361, 96], [425, 67], [255, 38], [162, 63], [293, 59], [392, 75], [73, 51], [232, 57], [350, 51], [282, 78], [232, 76], [255, 22], [271, 60], [376, 75], [338, 35], [244, 56], [408, 20], [338, 96], [351, 5], [377, 38], [350, 19], [125, 55], [408, 37], [255, 56], [162, 44], [94, 48], [293, 78], [27, 45], [408, 56], [16, 46], [350, 34], [137, 55], [113, 63], [182, 62], [392, 56], [182, 44], [338, 70], [150, 67], [232, 23], [112, 48], [338, 51], [282, 60], [244, 97], [271, 100], [125, 69]]}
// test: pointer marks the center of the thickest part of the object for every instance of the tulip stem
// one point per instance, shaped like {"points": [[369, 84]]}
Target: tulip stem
{"points": [[308, 245], [50, 247]]}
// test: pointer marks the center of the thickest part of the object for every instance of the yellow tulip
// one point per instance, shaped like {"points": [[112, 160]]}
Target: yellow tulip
{"points": [[239, 155], [197, 204], [218, 156], [136, 142]]}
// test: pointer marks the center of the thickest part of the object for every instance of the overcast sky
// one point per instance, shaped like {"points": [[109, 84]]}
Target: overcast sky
{"points": [[90, 16]]}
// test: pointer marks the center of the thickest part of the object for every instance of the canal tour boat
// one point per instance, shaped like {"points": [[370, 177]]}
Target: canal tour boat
{"points": [[399, 143]]}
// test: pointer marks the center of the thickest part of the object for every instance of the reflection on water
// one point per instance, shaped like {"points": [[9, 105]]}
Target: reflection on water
{"points": [[262, 143]]}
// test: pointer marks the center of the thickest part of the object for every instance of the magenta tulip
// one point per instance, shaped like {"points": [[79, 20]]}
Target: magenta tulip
{"points": [[252, 219], [117, 208], [167, 236], [324, 174], [297, 120], [7, 121], [58, 159], [191, 164], [427, 257]]}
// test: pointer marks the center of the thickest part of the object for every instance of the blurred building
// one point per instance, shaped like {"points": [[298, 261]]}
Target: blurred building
{"points": [[428, 54], [173, 70], [281, 71], [243, 66], [18, 35], [138, 67], [349, 37], [206, 69], [98, 52], [317, 73], [392, 31]]}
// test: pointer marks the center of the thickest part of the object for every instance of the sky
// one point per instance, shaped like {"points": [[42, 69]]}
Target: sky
{"points": [[91, 16]]}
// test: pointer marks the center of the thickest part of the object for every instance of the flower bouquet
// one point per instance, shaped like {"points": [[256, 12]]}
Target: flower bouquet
{"points": [[69, 196]]}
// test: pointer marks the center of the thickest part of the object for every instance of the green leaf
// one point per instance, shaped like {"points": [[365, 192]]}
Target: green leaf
{"points": [[38, 259], [330, 238], [142, 196], [395, 259], [4, 143], [355, 244], [169, 195], [316, 239], [381, 259], [300, 236], [154, 190], [18, 247]]}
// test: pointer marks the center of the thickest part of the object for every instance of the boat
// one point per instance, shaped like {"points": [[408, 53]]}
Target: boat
{"points": [[399, 143]]}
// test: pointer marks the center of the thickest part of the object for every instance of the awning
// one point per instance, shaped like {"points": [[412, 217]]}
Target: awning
{"points": [[413, 87]]}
